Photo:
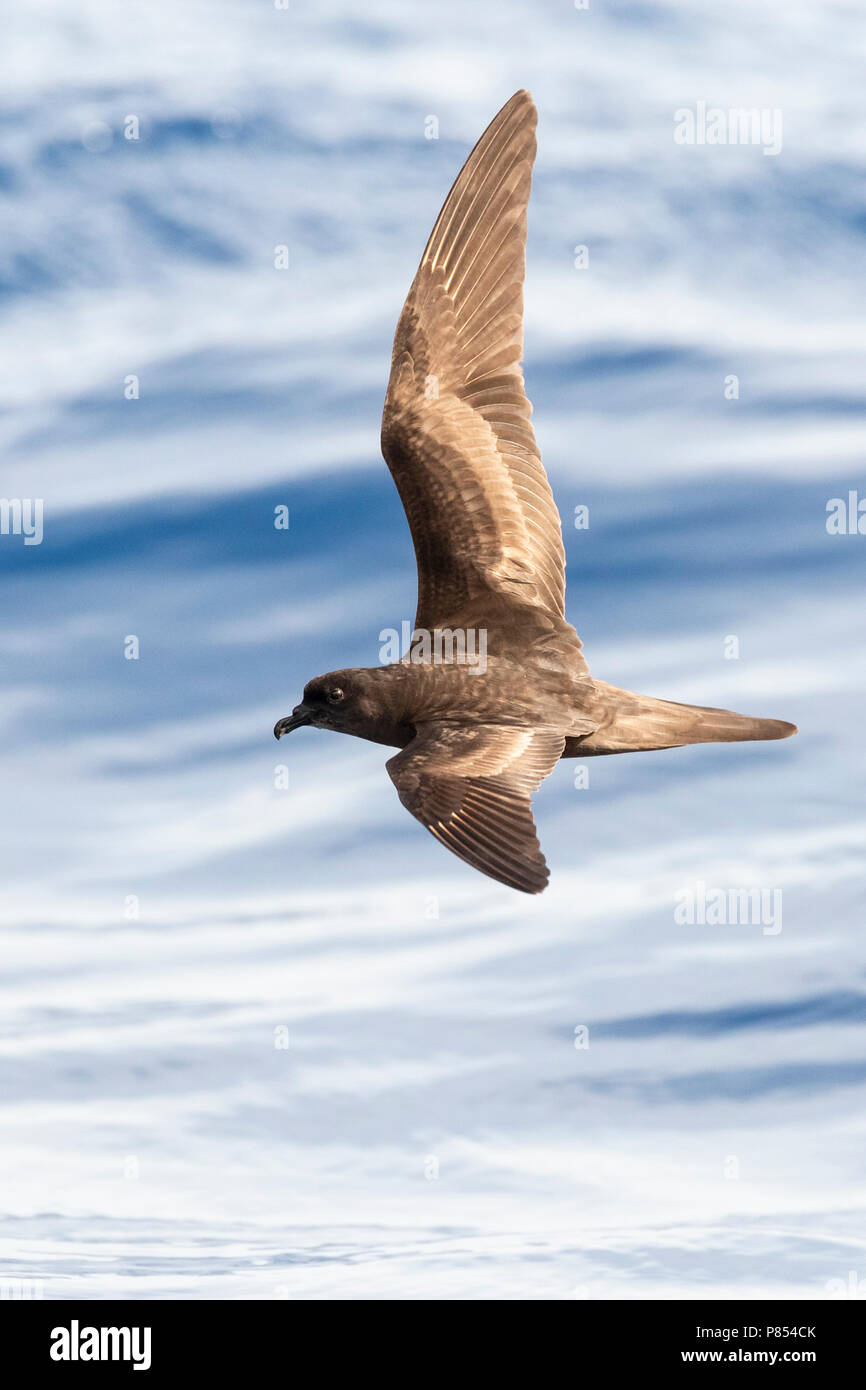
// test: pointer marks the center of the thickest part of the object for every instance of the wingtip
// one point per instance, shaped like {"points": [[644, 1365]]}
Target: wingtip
{"points": [[531, 884], [531, 888], [522, 98], [777, 728]]}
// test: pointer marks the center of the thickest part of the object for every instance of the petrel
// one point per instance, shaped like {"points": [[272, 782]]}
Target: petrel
{"points": [[481, 723]]}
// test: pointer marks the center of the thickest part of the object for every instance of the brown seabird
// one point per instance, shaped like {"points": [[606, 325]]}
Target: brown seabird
{"points": [[478, 737]]}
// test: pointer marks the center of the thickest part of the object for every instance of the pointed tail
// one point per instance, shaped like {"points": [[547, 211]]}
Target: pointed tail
{"points": [[638, 723]]}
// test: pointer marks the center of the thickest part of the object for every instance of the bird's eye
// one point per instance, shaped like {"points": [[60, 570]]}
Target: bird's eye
{"points": [[335, 695]]}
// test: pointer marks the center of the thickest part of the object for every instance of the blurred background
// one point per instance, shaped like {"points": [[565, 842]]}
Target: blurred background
{"points": [[269, 1041]]}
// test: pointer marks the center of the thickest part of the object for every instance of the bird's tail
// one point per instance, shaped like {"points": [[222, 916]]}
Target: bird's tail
{"points": [[638, 723]]}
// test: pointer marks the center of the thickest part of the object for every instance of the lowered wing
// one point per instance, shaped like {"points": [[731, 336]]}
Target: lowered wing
{"points": [[471, 784]]}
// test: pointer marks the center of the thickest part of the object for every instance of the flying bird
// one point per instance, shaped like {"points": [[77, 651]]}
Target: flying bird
{"points": [[478, 736]]}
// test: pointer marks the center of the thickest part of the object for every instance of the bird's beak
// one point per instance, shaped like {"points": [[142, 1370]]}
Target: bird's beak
{"points": [[298, 717]]}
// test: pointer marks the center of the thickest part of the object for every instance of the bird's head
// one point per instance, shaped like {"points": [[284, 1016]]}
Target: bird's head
{"points": [[344, 701]]}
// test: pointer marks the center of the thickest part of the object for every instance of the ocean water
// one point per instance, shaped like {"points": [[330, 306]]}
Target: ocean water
{"points": [[266, 1041]]}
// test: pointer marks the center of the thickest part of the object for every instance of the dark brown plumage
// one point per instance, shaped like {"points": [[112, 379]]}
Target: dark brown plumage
{"points": [[457, 437]]}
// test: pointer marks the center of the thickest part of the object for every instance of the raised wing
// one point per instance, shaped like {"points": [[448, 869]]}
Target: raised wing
{"points": [[470, 785], [456, 431]]}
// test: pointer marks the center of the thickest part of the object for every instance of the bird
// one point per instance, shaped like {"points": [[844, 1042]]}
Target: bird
{"points": [[481, 723]]}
